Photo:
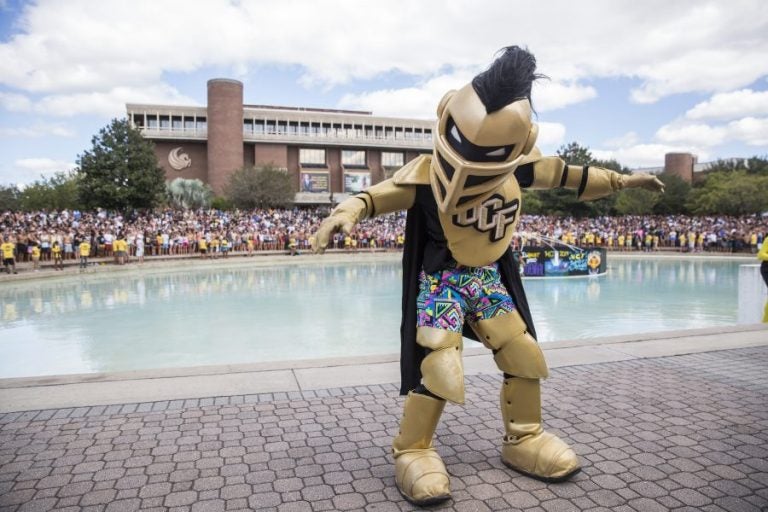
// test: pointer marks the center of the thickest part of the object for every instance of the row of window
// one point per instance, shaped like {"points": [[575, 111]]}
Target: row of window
{"points": [[349, 158], [259, 126], [160, 122]]}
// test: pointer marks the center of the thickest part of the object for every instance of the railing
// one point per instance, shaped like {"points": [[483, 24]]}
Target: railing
{"points": [[334, 139], [173, 133], [341, 139]]}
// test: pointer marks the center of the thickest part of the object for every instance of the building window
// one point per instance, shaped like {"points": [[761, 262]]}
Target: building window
{"points": [[353, 158], [165, 122], [176, 122], [202, 124], [312, 157], [189, 124], [152, 122], [389, 159]]}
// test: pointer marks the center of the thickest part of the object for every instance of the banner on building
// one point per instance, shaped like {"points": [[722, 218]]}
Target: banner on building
{"points": [[561, 261], [355, 182], [315, 182]]}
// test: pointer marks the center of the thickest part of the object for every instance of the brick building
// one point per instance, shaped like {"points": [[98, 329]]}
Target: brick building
{"points": [[329, 154]]}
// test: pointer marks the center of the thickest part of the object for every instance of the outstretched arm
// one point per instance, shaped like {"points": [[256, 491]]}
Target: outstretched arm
{"points": [[590, 182], [384, 197]]}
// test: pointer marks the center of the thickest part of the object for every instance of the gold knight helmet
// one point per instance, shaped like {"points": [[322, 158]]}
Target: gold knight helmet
{"points": [[484, 131]]}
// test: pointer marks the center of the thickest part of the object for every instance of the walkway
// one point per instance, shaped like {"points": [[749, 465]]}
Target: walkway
{"points": [[657, 428]]}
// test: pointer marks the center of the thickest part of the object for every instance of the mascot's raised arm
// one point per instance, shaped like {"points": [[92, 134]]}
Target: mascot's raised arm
{"points": [[459, 276]]}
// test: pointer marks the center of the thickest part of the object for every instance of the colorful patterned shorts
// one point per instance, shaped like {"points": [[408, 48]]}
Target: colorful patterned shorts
{"points": [[446, 296]]}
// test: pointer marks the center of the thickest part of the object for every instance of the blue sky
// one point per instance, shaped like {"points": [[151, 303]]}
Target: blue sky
{"points": [[629, 80]]}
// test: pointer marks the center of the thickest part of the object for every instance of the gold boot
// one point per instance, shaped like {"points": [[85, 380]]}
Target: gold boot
{"points": [[526, 447], [419, 471]]}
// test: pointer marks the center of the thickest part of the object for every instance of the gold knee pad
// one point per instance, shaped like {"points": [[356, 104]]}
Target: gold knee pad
{"points": [[515, 351], [442, 371], [420, 474]]}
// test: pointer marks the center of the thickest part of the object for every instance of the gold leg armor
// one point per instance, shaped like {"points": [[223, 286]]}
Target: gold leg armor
{"points": [[442, 370], [419, 471], [526, 447]]}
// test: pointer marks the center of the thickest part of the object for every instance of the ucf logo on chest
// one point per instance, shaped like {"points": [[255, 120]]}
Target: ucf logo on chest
{"points": [[493, 216]]}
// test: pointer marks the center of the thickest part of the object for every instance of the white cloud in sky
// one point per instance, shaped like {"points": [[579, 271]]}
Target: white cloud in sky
{"points": [[37, 130], [697, 134], [85, 46], [550, 95], [92, 57], [752, 131], [13, 102], [628, 139], [647, 155], [550, 134], [42, 166], [731, 105]]}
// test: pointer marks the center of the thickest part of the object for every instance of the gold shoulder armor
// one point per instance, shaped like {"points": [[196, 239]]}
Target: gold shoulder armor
{"points": [[415, 172], [533, 156]]}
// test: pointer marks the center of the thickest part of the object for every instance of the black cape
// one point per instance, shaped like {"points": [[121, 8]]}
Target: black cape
{"points": [[411, 353]]}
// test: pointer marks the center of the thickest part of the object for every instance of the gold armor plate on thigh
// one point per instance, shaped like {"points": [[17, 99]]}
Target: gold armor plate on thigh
{"points": [[442, 370], [515, 351]]}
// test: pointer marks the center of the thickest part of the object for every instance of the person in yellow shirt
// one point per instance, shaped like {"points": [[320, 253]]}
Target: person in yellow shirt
{"points": [[202, 246], [215, 246], [762, 255], [85, 251], [8, 250], [121, 249], [36, 257], [58, 262]]}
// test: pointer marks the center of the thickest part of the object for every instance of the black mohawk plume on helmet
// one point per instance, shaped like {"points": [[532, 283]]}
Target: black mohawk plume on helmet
{"points": [[508, 79]]}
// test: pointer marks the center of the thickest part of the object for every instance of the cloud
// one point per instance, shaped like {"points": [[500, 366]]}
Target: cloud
{"points": [[628, 139], [419, 101], [549, 95], [81, 46], [551, 135], [731, 105], [647, 155], [697, 134], [42, 166], [752, 131], [15, 102], [38, 130]]}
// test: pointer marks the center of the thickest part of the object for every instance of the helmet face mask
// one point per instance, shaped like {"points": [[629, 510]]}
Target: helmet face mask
{"points": [[475, 152]]}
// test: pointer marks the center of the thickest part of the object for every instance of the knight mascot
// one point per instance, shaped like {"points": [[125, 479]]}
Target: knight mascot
{"points": [[459, 276]]}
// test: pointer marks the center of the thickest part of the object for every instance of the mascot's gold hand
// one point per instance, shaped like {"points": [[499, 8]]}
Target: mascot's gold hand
{"points": [[645, 181], [343, 219], [327, 228]]}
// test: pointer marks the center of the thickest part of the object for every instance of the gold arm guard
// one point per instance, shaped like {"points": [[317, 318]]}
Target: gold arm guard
{"points": [[515, 351], [599, 182], [387, 197], [551, 172]]}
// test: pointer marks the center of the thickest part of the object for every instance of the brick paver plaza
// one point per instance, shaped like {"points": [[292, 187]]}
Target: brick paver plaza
{"points": [[673, 433]]}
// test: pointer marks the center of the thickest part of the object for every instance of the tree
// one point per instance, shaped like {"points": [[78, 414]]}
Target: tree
{"points": [[9, 198], [184, 193], [635, 201], [59, 192], [120, 172], [730, 193], [262, 187], [753, 165], [675, 196]]}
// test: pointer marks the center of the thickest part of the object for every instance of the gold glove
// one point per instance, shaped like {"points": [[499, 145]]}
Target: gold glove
{"points": [[646, 181], [342, 218]]}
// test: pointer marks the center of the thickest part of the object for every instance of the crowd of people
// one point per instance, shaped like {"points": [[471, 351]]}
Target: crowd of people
{"points": [[61, 236]]}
